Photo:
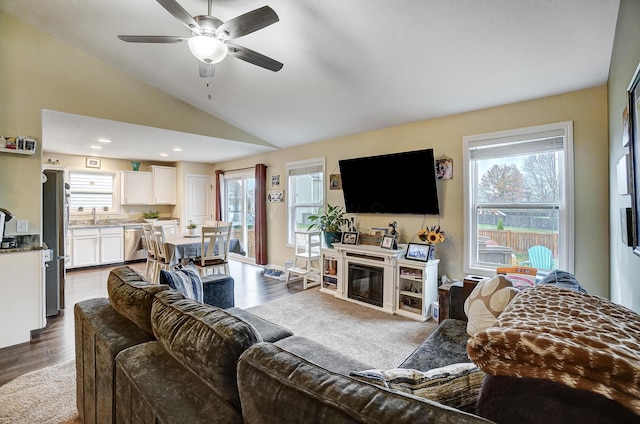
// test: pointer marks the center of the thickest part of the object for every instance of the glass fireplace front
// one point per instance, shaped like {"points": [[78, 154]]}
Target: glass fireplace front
{"points": [[365, 283]]}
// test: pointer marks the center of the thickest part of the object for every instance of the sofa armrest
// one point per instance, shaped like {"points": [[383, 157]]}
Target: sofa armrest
{"points": [[218, 290]]}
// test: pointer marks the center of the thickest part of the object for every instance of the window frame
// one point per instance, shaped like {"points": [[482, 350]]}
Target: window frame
{"points": [[291, 206], [115, 192], [566, 230]]}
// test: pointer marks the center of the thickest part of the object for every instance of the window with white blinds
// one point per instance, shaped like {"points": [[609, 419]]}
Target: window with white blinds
{"points": [[305, 180], [519, 199], [90, 190]]}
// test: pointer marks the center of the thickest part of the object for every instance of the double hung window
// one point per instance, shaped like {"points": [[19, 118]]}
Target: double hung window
{"points": [[519, 199], [306, 194], [89, 190]]}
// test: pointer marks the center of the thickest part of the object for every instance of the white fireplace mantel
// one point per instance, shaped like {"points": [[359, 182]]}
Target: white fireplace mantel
{"points": [[371, 256]]}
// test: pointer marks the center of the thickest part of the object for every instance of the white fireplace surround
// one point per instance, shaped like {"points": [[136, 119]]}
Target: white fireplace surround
{"points": [[369, 256]]}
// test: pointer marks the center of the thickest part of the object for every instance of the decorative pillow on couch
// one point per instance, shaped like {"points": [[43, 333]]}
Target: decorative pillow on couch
{"points": [[487, 300], [456, 385], [185, 280]]}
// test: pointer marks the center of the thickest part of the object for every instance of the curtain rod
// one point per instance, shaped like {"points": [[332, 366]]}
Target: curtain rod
{"points": [[240, 169]]}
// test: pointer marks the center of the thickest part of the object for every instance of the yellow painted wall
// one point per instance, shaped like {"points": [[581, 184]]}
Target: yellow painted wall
{"points": [[625, 265], [586, 108], [38, 72]]}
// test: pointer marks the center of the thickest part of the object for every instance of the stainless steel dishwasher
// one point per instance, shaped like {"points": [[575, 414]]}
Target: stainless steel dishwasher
{"points": [[134, 245]]}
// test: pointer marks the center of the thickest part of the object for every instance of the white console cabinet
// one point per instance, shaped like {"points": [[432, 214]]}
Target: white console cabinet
{"points": [[417, 285]]}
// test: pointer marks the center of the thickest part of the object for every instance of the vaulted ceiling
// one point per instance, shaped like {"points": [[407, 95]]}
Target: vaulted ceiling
{"points": [[349, 65]]}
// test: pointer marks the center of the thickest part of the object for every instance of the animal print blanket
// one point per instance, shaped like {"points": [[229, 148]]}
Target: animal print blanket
{"points": [[580, 340]]}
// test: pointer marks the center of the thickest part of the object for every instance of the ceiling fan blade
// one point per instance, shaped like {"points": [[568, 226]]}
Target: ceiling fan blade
{"points": [[180, 14], [207, 70], [151, 38], [249, 22], [254, 57]]}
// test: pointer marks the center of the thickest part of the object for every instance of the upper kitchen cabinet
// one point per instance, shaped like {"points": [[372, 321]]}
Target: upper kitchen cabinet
{"points": [[164, 185], [157, 187], [136, 188]]}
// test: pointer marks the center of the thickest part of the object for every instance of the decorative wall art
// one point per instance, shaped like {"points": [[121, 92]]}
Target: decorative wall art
{"points": [[274, 196], [93, 163], [444, 168], [335, 182], [275, 180]]}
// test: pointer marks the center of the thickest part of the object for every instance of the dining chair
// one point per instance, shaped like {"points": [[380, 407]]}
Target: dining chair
{"points": [[170, 225], [210, 223], [163, 262], [150, 268], [214, 248]]}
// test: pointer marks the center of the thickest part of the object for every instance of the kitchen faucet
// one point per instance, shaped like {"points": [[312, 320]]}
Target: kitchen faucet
{"points": [[93, 212]]}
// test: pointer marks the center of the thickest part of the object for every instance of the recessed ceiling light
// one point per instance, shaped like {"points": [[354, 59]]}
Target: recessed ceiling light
{"points": [[177, 149], [96, 147], [104, 140], [163, 154], [95, 154]]}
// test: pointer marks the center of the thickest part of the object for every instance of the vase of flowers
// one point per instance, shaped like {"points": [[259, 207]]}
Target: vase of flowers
{"points": [[432, 236], [191, 227]]}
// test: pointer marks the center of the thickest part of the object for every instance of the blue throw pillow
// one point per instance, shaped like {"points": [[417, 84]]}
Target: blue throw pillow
{"points": [[563, 279], [185, 280]]}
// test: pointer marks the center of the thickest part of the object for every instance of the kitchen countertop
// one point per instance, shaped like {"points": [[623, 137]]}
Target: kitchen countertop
{"points": [[22, 249], [127, 225]]}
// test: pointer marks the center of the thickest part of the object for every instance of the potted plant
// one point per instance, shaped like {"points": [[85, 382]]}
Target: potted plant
{"points": [[330, 223], [192, 228], [150, 215]]}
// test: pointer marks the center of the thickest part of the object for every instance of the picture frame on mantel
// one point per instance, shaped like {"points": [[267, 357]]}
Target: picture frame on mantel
{"points": [[633, 98]]}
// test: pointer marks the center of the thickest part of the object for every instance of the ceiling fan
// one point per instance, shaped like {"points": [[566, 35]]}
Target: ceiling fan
{"points": [[209, 41]]}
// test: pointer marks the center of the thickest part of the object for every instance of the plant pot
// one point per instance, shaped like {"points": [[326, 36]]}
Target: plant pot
{"points": [[330, 238], [151, 220], [192, 231]]}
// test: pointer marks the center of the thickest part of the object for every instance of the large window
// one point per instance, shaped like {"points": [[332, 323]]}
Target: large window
{"points": [[89, 190], [306, 193], [519, 199]]}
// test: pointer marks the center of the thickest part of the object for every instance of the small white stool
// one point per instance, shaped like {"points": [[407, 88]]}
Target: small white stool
{"points": [[306, 250]]}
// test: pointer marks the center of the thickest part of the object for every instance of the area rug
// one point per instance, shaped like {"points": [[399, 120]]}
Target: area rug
{"points": [[376, 338], [43, 396]]}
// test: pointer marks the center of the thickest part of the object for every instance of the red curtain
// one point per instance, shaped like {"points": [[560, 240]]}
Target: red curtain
{"points": [[261, 214], [219, 173]]}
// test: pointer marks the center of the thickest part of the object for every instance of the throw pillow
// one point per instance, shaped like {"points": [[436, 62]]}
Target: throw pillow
{"points": [[487, 300], [456, 385], [185, 280]]}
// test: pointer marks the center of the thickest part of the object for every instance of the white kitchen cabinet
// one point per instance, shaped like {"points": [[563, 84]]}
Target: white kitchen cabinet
{"points": [[111, 245], [85, 250], [22, 304], [137, 188], [96, 246], [164, 185]]}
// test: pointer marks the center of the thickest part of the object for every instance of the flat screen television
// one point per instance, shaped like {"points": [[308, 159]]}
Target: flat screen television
{"points": [[398, 183]]}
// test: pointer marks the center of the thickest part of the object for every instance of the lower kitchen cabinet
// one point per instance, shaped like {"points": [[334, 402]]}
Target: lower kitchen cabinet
{"points": [[96, 246]]}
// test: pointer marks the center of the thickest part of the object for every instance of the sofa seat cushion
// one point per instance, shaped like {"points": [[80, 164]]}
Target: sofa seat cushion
{"points": [[321, 355], [131, 295], [269, 331], [153, 387], [205, 339], [446, 345], [455, 385], [278, 387]]}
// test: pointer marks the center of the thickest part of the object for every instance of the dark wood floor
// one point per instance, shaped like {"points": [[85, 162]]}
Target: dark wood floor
{"points": [[55, 343]]}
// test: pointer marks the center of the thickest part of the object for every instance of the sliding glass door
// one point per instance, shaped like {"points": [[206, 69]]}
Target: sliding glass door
{"points": [[240, 209]]}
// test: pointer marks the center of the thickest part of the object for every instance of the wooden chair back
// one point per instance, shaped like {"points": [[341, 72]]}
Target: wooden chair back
{"points": [[215, 244]]}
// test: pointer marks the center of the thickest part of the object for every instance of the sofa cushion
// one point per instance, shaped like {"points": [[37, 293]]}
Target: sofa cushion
{"points": [[184, 279], [278, 387], [205, 339], [487, 300], [269, 331], [131, 295], [455, 385]]}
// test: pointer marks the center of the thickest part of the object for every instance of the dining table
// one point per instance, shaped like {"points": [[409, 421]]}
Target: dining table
{"points": [[182, 247]]}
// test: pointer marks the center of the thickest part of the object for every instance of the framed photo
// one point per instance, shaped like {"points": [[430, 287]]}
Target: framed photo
{"points": [[275, 180], [92, 163], [388, 241], [350, 237], [418, 252], [275, 196], [633, 96], [444, 169], [335, 182], [378, 231]]}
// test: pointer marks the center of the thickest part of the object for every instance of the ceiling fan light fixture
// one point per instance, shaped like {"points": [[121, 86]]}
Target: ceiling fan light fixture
{"points": [[207, 48]]}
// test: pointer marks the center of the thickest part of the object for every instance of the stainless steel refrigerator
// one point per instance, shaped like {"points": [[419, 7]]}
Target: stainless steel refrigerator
{"points": [[55, 223]]}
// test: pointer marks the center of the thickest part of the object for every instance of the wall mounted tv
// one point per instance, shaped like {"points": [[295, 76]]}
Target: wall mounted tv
{"points": [[398, 183]]}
